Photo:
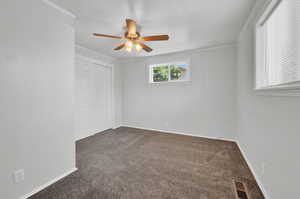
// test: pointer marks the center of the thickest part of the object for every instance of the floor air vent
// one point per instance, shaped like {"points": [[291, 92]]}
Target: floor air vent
{"points": [[241, 190]]}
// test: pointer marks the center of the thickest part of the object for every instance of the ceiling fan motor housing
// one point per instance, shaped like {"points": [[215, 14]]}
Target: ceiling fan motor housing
{"points": [[135, 36]]}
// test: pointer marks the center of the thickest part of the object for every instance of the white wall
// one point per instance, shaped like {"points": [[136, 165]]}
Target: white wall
{"points": [[268, 126], [205, 106], [36, 95]]}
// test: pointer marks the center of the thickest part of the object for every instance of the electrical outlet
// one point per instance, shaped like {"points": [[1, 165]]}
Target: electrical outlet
{"points": [[19, 176]]}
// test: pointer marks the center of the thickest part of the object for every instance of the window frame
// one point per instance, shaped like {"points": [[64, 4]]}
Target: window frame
{"points": [[261, 73], [186, 62]]}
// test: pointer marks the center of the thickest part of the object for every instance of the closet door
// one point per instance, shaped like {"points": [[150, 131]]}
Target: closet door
{"points": [[93, 98], [102, 97]]}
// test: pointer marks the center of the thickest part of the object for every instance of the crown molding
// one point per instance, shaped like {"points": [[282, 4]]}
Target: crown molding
{"points": [[58, 8], [189, 51], [98, 55], [254, 14]]}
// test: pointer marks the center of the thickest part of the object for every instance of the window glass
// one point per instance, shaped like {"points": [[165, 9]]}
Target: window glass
{"points": [[160, 73], [170, 72], [178, 72]]}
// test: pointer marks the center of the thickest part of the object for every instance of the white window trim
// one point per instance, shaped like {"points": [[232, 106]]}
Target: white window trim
{"points": [[284, 89], [151, 66]]}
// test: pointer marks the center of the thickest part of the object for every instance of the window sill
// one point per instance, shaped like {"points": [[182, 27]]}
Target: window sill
{"points": [[170, 82], [289, 89]]}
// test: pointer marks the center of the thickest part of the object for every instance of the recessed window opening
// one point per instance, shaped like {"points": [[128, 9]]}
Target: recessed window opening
{"points": [[169, 72], [278, 45]]}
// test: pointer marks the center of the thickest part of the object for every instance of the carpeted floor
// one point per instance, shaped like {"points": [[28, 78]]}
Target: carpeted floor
{"points": [[131, 163]]}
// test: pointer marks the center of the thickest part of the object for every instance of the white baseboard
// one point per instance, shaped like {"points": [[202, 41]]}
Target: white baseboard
{"points": [[179, 133], [253, 172], [117, 126], [40, 188], [92, 134], [82, 137]]}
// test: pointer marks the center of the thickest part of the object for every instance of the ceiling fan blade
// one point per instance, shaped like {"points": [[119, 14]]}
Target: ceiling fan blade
{"points": [[110, 36], [156, 38], [131, 27], [120, 46], [145, 47]]}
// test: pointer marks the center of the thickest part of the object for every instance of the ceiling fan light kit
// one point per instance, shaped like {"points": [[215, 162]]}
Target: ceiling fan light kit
{"points": [[134, 38]]}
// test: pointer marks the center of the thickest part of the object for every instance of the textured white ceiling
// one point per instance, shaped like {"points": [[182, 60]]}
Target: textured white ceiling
{"points": [[190, 23]]}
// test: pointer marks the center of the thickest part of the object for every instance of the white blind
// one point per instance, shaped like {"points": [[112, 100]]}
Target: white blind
{"points": [[282, 43]]}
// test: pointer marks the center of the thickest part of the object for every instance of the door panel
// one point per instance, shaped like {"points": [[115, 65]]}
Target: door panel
{"points": [[93, 98], [102, 97]]}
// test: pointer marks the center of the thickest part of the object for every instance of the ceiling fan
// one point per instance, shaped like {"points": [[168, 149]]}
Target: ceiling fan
{"points": [[134, 38]]}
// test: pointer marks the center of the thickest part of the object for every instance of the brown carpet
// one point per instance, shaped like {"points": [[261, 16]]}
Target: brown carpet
{"points": [[131, 163]]}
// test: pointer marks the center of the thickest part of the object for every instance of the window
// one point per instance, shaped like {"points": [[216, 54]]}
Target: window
{"points": [[278, 46], [169, 72]]}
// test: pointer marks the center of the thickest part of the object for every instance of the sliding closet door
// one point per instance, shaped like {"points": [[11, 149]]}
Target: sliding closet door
{"points": [[93, 98]]}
